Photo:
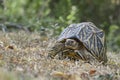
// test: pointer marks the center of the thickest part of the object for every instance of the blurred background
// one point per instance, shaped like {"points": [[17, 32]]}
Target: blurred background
{"points": [[50, 17]]}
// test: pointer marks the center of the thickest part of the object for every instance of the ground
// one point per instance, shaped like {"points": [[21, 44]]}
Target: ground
{"points": [[23, 56]]}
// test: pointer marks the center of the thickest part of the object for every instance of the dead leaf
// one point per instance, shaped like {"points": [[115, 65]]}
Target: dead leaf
{"points": [[74, 77], [19, 69], [10, 47], [92, 72], [59, 74], [65, 63], [65, 76], [84, 76], [14, 60], [1, 44]]}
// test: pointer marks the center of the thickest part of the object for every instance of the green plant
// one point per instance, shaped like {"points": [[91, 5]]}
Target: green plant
{"points": [[113, 37]]}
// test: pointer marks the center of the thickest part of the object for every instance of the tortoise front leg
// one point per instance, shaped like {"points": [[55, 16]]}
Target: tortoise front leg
{"points": [[81, 55], [67, 53], [74, 55], [57, 48]]}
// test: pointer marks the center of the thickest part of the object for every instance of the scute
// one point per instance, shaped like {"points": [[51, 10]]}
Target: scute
{"points": [[68, 32]]}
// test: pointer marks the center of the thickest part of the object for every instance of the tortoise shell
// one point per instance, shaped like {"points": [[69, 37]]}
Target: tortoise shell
{"points": [[92, 38]]}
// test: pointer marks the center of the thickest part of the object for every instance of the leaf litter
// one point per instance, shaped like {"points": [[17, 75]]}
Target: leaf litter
{"points": [[24, 56]]}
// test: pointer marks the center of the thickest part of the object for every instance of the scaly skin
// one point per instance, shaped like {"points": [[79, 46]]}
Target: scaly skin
{"points": [[65, 52], [58, 47], [68, 49], [68, 53]]}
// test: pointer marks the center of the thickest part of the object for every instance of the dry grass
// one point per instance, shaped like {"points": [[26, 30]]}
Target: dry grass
{"points": [[23, 56]]}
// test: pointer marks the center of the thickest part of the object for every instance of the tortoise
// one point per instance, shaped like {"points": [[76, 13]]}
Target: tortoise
{"points": [[78, 39]]}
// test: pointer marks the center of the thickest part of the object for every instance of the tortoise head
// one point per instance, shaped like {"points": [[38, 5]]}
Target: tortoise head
{"points": [[57, 48], [72, 44]]}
